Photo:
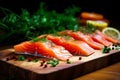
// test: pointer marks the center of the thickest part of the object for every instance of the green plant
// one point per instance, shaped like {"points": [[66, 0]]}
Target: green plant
{"points": [[26, 26]]}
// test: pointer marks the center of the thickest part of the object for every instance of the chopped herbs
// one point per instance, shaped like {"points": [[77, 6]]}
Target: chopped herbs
{"points": [[89, 28], [35, 60], [117, 47], [106, 49], [21, 58], [53, 62], [39, 39]]}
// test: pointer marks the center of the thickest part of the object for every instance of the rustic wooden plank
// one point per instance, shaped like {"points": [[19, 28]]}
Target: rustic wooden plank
{"points": [[111, 72], [23, 70]]}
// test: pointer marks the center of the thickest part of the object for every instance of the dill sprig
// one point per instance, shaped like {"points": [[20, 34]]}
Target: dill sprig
{"points": [[39, 39], [21, 27]]}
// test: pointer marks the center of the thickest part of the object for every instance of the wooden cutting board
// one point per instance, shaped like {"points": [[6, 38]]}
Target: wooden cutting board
{"points": [[24, 70]]}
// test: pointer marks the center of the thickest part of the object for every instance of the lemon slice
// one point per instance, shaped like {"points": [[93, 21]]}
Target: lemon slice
{"points": [[98, 24], [112, 32]]}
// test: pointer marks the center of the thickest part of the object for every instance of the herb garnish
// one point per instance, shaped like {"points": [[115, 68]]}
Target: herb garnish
{"points": [[39, 39], [88, 28], [117, 47], [35, 60], [106, 49], [21, 58], [53, 62]]}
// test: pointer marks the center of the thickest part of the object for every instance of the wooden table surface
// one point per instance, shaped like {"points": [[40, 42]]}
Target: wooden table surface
{"points": [[108, 73]]}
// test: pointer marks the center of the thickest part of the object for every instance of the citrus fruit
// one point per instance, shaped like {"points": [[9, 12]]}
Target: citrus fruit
{"points": [[91, 16], [98, 24], [112, 32]]}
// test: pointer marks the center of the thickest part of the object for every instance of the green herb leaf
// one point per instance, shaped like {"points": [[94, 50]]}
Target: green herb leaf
{"points": [[39, 39], [35, 60], [53, 62], [117, 47], [43, 21], [106, 49], [21, 58]]}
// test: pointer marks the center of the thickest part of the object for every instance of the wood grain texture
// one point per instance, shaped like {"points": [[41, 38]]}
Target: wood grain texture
{"points": [[111, 72], [23, 70]]}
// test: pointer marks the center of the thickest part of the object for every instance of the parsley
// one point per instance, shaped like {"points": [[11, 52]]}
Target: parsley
{"points": [[35, 60], [53, 62], [21, 58], [117, 47], [106, 49], [25, 26], [39, 39]]}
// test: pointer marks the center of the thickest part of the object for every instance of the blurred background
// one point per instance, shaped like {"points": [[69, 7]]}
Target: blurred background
{"points": [[109, 8]]}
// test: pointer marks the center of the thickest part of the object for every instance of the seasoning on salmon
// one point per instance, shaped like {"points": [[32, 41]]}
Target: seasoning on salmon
{"points": [[43, 48], [73, 46], [101, 40], [86, 38], [51, 50]]}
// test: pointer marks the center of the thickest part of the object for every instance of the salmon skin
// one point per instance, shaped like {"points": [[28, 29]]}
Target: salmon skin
{"points": [[43, 48], [82, 37], [75, 47]]}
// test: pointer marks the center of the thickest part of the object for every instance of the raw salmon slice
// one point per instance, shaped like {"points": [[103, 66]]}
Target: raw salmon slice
{"points": [[86, 38], [51, 50], [44, 48], [73, 46], [26, 46], [107, 37], [101, 40]]}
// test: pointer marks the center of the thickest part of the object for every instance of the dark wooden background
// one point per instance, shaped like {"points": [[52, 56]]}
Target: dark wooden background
{"points": [[109, 8]]}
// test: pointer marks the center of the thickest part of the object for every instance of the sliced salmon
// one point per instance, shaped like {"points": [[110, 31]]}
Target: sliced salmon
{"points": [[73, 46], [101, 40], [26, 46], [51, 50], [44, 48], [86, 38], [107, 37], [93, 43]]}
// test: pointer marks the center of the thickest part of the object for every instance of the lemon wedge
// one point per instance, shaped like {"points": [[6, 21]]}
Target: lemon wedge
{"points": [[112, 32], [98, 24]]}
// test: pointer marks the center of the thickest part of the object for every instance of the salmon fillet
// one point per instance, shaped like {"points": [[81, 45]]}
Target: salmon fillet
{"points": [[73, 46]]}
